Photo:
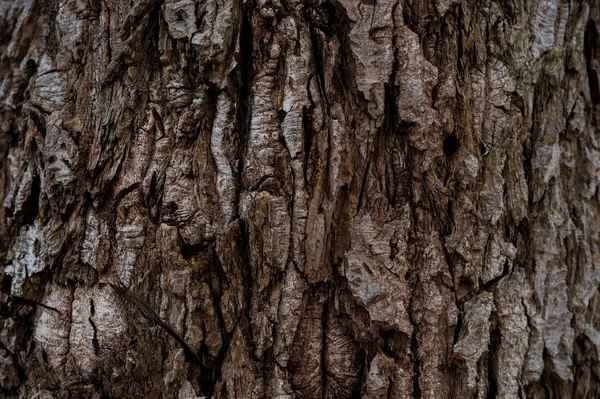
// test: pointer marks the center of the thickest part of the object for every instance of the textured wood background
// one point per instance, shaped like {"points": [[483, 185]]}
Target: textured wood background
{"points": [[299, 199]]}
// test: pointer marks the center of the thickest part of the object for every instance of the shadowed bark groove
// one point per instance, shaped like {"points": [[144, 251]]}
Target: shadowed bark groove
{"points": [[299, 199]]}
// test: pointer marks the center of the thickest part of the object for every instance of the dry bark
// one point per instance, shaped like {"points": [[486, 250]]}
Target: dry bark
{"points": [[299, 199]]}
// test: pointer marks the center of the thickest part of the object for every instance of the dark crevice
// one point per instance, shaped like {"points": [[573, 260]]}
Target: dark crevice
{"points": [[30, 302], [21, 373], [153, 317], [210, 367], [483, 149], [450, 145], [95, 342], [389, 125], [490, 284], [6, 283], [458, 327], [390, 388], [155, 198], [412, 276], [324, 349], [244, 258], [585, 383], [21, 93], [493, 345], [216, 292], [308, 137], [150, 198], [209, 380], [318, 58], [123, 193], [245, 76], [591, 49], [404, 128], [158, 121], [395, 343], [30, 207], [409, 16], [190, 250], [343, 82]]}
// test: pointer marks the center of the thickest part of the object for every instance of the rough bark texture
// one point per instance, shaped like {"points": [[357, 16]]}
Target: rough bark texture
{"points": [[300, 199]]}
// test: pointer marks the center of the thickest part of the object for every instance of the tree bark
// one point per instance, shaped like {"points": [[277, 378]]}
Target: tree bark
{"points": [[299, 199]]}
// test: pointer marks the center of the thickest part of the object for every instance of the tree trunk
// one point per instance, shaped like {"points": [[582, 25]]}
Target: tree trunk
{"points": [[300, 199]]}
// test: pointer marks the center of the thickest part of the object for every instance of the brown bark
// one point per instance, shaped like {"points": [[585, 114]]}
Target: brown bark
{"points": [[299, 199]]}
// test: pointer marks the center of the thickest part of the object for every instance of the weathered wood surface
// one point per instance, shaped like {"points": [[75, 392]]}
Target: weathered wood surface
{"points": [[299, 199]]}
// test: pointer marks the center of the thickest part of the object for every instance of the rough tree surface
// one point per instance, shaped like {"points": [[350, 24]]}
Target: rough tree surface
{"points": [[299, 199]]}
